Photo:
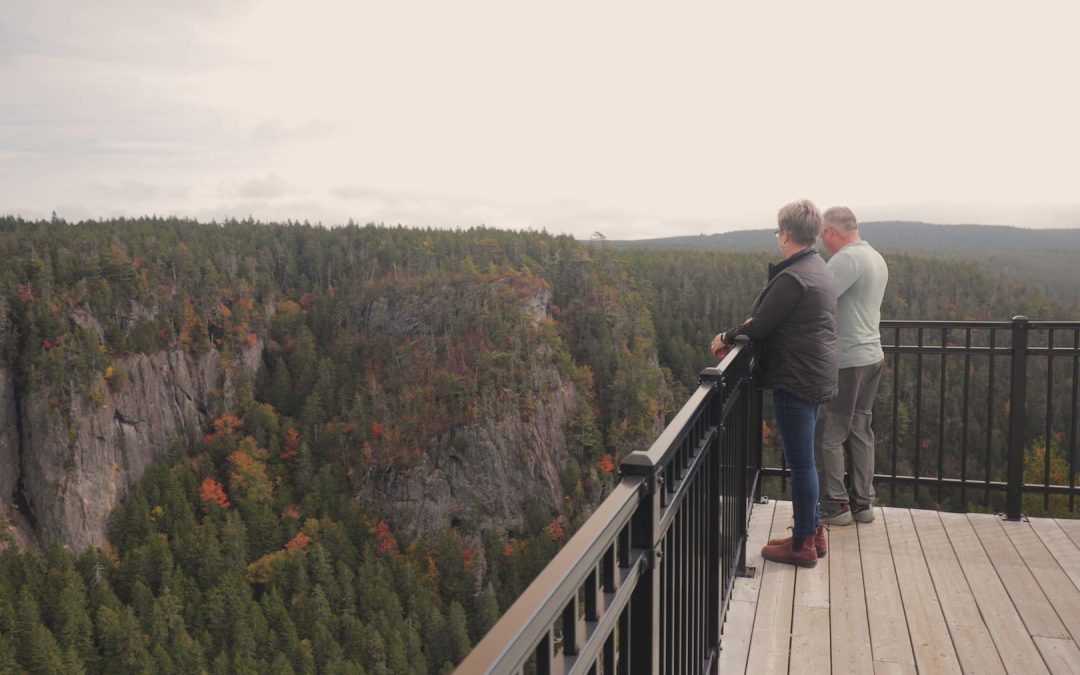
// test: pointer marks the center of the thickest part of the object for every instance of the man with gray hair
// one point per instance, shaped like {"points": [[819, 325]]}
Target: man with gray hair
{"points": [[861, 276]]}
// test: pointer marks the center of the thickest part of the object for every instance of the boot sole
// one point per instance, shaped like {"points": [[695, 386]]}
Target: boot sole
{"points": [[841, 520], [864, 517], [797, 563], [821, 552]]}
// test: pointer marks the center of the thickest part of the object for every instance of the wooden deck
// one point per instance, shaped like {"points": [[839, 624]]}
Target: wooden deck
{"points": [[912, 592]]}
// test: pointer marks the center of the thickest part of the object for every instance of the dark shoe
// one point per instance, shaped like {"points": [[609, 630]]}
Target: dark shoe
{"points": [[822, 544], [794, 551], [839, 514], [864, 513]]}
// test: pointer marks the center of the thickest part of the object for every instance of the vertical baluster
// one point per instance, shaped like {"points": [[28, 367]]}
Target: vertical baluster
{"points": [[545, 654], [1075, 411], [609, 654], [592, 593], [989, 416], [964, 422], [918, 409], [895, 411], [1049, 415], [1017, 418], [941, 415], [622, 667], [571, 627]]}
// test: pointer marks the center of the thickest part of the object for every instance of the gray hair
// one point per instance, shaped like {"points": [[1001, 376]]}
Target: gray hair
{"points": [[841, 218], [801, 220]]}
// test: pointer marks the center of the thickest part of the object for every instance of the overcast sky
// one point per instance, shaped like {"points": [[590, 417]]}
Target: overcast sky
{"points": [[632, 119]]}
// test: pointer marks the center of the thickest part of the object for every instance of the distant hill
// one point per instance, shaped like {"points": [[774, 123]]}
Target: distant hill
{"points": [[889, 235], [1045, 259]]}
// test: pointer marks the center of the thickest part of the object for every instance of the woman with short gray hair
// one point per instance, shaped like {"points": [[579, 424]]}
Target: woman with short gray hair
{"points": [[793, 324]]}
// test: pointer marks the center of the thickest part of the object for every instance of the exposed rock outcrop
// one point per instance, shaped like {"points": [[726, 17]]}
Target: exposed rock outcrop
{"points": [[492, 468], [9, 439], [78, 462]]}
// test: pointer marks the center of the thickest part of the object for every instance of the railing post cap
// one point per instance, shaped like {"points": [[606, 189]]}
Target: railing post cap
{"points": [[637, 459], [1020, 318]]}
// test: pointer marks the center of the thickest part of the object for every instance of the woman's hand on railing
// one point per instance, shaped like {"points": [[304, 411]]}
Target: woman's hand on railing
{"points": [[719, 347]]}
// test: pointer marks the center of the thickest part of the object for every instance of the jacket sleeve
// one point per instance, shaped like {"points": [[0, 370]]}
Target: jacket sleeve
{"points": [[775, 307]]}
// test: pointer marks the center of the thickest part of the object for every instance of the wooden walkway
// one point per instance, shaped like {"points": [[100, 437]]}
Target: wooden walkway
{"points": [[912, 592]]}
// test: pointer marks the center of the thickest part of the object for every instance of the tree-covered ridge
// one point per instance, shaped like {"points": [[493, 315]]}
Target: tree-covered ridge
{"points": [[264, 545]]}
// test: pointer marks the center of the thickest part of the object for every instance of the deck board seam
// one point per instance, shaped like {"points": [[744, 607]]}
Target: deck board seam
{"points": [[899, 591]]}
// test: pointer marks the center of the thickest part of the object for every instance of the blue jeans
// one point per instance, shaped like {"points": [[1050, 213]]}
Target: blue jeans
{"points": [[795, 419]]}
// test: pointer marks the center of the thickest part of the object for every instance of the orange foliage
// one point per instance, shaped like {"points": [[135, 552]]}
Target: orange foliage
{"points": [[252, 339], [298, 543], [377, 430], [291, 511], [384, 540], [556, 529], [607, 463], [292, 439], [211, 491]]}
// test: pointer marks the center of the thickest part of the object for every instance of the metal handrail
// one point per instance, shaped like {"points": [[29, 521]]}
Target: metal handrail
{"points": [[680, 511]]}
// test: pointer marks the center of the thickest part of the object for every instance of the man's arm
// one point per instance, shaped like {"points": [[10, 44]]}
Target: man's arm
{"points": [[844, 270]]}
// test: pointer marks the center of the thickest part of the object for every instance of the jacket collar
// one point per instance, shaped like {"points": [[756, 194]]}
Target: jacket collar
{"points": [[777, 268]]}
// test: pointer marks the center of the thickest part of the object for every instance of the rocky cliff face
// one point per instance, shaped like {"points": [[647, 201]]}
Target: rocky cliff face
{"points": [[78, 460], [9, 451], [490, 469]]}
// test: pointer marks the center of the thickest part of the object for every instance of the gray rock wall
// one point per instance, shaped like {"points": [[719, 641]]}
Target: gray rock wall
{"points": [[79, 462]]}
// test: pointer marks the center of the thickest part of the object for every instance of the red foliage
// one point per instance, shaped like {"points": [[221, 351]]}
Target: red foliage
{"points": [[26, 293], [211, 491], [298, 543], [46, 344], [291, 511], [305, 300], [607, 463], [226, 425], [292, 439], [252, 339], [384, 540], [377, 430]]}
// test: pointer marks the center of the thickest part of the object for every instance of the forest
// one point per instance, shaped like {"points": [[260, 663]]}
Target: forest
{"points": [[299, 531]]}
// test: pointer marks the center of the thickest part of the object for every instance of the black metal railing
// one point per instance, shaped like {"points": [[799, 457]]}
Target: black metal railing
{"points": [[644, 584], [976, 415]]}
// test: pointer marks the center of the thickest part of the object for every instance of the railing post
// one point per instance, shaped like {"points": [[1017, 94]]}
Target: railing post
{"points": [[1017, 419], [644, 609]]}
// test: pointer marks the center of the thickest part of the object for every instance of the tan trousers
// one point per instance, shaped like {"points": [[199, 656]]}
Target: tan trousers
{"points": [[845, 438]]}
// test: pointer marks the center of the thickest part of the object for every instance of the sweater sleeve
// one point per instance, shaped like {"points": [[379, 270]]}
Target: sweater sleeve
{"points": [[845, 270], [775, 307]]}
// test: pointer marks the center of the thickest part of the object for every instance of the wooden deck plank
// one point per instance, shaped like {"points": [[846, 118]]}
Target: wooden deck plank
{"points": [[1062, 656], [850, 629], [1058, 588], [912, 592], [761, 526], [1022, 585], [739, 623], [932, 647], [771, 641], [886, 668], [1064, 550], [810, 623], [890, 641], [972, 640], [1072, 528], [1015, 646]]}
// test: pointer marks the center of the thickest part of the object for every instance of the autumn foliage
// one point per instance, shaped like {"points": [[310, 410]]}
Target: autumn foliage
{"points": [[211, 491]]}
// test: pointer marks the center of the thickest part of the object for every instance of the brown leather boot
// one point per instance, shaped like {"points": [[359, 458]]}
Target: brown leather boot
{"points": [[795, 551], [819, 539]]}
